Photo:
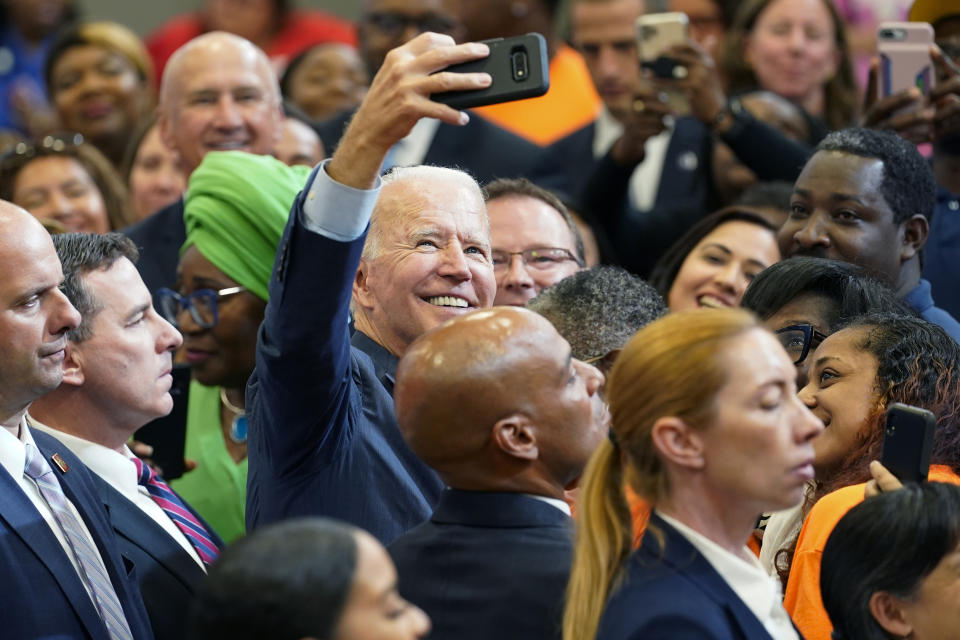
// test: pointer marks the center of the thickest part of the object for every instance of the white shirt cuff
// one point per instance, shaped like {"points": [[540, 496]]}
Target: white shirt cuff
{"points": [[335, 210]]}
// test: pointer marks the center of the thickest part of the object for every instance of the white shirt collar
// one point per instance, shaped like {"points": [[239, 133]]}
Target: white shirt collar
{"points": [[412, 149], [117, 469], [13, 452], [559, 504], [745, 575]]}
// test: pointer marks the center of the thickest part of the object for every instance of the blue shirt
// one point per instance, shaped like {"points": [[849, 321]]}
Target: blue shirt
{"points": [[941, 255], [21, 68], [922, 302]]}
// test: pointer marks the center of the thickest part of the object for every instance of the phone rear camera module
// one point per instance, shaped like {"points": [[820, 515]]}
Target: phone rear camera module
{"points": [[893, 34], [519, 65]]}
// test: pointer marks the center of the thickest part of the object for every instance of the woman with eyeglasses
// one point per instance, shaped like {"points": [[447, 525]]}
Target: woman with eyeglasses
{"points": [[711, 265], [804, 300], [855, 375], [66, 180], [235, 209]]}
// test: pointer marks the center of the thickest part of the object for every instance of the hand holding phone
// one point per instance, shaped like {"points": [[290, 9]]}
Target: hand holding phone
{"points": [[518, 66], [657, 33], [904, 49], [907, 442]]}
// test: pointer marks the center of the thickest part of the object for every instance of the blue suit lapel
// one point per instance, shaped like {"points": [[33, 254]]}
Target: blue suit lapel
{"points": [[25, 521], [686, 560], [131, 523]]}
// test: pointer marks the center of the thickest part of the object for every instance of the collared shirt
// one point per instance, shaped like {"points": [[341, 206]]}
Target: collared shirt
{"points": [[412, 149], [921, 300], [118, 471], [13, 458], [940, 264], [645, 180], [559, 504], [745, 575], [335, 210]]}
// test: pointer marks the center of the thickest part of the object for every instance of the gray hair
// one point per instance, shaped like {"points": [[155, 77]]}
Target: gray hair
{"points": [[599, 309]]}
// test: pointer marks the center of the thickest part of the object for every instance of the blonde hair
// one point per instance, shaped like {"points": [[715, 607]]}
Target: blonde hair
{"points": [[671, 367]]}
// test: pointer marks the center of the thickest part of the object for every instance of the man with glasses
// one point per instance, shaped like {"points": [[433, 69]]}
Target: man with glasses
{"points": [[481, 148], [535, 241], [117, 377]]}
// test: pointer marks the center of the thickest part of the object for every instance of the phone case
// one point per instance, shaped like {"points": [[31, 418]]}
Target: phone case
{"points": [[905, 62], [907, 442], [518, 66], [657, 32]]}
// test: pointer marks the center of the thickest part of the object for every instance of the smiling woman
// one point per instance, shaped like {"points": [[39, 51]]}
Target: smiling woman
{"points": [[100, 79], [712, 264]]}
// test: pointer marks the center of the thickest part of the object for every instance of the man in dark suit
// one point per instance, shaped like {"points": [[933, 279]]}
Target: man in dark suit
{"points": [[117, 377], [497, 405], [62, 574], [480, 147], [218, 93], [323, 436]]}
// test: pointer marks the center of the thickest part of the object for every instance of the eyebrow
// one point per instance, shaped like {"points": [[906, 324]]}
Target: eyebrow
{"points": [[386, 593], [825, 359], [836, 197], [717, 245]]}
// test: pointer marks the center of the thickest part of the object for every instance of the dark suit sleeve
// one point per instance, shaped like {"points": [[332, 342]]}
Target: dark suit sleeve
{"points": [[767, 152], [674, 627], [299, 398]]}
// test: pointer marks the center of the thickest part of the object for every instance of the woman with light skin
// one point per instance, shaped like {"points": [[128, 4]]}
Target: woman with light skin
{"points": [[707, 427], [302, 580], [67, 182], [794, 48], [711, 265], [153, 172]]}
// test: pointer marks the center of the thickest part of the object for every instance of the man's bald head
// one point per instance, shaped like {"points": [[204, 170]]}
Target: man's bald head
{"points": [[494, 401], [34, 314], [219, 93]]}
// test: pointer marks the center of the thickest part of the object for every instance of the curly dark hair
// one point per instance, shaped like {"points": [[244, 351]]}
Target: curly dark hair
{"points": [[908, 184]]}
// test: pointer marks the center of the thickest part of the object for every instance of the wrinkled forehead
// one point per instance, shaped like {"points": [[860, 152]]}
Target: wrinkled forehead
{"points": [[218, 64], [453, 201]]}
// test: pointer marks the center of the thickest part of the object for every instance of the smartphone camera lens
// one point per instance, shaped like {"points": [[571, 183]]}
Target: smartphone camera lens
{"points": [[518, 64]]}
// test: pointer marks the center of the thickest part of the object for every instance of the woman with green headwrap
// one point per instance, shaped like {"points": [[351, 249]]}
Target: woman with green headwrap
{"points": [[235, 209]]}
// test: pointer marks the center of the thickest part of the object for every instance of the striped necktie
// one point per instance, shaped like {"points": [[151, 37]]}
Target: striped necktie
{"points": [[94, 574], [170, 502]]}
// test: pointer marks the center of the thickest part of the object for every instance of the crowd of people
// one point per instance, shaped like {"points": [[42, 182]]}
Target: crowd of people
{"points": [[295, 351]]}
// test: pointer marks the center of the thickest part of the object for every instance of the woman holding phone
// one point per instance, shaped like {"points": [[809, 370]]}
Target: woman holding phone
{"points": [[708, 428], [855, 375]]}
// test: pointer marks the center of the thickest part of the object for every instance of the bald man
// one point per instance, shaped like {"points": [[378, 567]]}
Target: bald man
{"points": [[218, 93], [62, 574], [323, 434], [497, 405]]}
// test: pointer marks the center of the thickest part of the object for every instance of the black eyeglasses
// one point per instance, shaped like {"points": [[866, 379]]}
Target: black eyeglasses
{"points": [[202, 305], [541, 258], [799, 339], [394, 22]]}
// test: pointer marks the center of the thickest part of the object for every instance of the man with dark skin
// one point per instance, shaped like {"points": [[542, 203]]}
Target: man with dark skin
{"points": [[495, 403], [866, 197]]}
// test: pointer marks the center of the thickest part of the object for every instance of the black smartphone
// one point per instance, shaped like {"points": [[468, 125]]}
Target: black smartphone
{"points": [[518, 66], [907, 442], [168, 434]]}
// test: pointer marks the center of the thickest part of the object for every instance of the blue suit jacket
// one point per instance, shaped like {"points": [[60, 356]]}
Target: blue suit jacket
{"points": [[480, 147], [41, 593], [167, 575], [488, 565], [674, 593], [159, 239], [323, 434]]}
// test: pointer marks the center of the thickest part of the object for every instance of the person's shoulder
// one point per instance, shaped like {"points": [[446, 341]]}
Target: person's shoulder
{"points": [[825, 515], [169, 216]]}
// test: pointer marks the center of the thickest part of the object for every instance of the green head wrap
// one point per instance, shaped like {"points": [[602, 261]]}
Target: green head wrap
{"points": [[235, 209]]}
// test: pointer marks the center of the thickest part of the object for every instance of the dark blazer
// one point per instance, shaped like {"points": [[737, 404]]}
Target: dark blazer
{"points": [[488, 565], [41, 593], [674, 593], [159, 239], [168, 576], [480, 147], [323, 435]]}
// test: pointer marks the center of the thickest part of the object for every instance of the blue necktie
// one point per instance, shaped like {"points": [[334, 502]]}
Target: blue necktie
{"points": [[92, 571]]}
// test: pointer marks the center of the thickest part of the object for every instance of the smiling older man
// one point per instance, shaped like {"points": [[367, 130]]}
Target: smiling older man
{"points": [[323, 434]]}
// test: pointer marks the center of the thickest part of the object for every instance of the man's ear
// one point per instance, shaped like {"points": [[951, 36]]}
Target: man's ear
{"points": [[73, 365], [360, 291], [888, 611], [915, 231], [678, 442], [515, 435]]}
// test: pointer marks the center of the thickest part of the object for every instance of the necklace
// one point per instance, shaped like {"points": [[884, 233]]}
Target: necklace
{"points": [[238, 427]]}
